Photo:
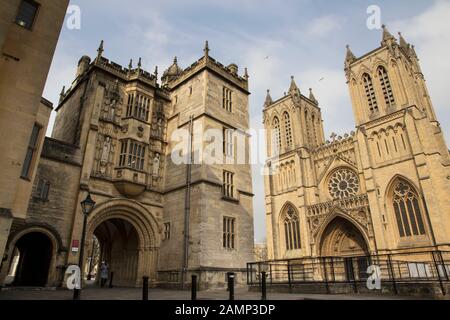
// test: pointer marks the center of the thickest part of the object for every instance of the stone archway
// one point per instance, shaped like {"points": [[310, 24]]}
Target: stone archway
{"points": [[129, 239], [31, 259], [119, 247], [32, 255], [341, 238], [344, 243]]}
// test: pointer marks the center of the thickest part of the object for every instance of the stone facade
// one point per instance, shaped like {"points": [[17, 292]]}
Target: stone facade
{"points": [[113, 138], [27, 49], [381, 189]]}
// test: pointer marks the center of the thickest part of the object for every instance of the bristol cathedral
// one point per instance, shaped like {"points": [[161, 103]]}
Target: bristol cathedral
{"points": [[381, 189]]}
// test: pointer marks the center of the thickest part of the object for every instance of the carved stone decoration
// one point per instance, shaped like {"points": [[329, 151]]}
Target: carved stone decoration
{"points": [[140, 132], [343, 183], [111, 105], [159, 128], [156, 165], [356, 208], [106, 151]]}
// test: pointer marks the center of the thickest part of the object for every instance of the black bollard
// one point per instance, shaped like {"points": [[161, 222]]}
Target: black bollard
{"points": [[194, 288], [76, 294], [145, 288], [263, 286], [231, 285], [111, 280]]}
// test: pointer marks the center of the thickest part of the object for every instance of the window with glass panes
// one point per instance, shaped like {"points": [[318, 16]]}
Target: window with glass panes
{"points": [[228, 145], [132, 155], [167, 231], [227, 99], [27, 13], [229, 232], [43, 189], [228, 184], [138, 106]]}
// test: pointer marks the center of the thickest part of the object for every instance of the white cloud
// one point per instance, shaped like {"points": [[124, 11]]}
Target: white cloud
{"points": [[430, 32], [325, 26], [330, 88]]}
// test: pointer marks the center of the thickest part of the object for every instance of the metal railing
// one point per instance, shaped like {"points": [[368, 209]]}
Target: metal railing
{"points": [[416, 267]]}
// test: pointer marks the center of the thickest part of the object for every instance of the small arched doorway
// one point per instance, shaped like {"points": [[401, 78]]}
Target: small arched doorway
{"points": [[346, 244], [31, 260], [119, 247]]}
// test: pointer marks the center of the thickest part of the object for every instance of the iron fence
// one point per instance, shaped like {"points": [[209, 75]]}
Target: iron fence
{"points": [[417, 267]]}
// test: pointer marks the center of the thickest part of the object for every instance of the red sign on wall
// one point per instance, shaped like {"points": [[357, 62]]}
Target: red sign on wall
{"points": [[75, 245]]}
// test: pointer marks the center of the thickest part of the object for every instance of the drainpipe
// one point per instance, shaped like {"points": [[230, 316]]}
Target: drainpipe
{"points": [[187, 204]]}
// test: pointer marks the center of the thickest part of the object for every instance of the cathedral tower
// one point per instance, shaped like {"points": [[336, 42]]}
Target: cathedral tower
{"points": [[400, 139], [383, 188]]}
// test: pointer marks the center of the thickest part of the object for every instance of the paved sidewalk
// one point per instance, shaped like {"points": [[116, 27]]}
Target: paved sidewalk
{"points": [[160, 294]]}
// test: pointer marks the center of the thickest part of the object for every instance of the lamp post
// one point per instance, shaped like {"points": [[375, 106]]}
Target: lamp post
{"points": [[86, 205]]}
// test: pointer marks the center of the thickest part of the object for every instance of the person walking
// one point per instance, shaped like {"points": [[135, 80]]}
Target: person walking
{"points": [[104, 273]]}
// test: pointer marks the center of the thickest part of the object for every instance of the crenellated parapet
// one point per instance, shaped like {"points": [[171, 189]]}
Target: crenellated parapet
{"points": [[175, 76]]}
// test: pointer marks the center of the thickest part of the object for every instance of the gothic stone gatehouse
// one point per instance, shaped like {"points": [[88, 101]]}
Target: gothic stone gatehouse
{"points": [[381, 189], [112, 139]]}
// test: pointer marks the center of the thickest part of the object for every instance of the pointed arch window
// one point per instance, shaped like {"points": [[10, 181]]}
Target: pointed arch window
{"points": [[370, 93], [292, 230], [407, 210], [276, 142], [288, 130], [386, 87]]}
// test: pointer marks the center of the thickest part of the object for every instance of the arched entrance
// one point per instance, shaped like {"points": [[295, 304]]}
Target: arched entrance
{"points": [[341, 238], [119, 247], [346, 244], [128, 238], [31, 260]]}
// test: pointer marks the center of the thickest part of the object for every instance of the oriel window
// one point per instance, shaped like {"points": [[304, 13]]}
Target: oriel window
{"points": [[132, 155], [138, 106]]}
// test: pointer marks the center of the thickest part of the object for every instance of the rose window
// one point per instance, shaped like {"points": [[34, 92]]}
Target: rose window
{"points": [[343, 184]]}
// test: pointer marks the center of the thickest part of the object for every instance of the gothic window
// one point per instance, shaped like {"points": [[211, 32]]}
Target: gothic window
{"points": [[292, 230], [313, 132], [407, 210], [132, 155], [308, 127], [276, 136], [370, 93], [167, 231], [227, 99], [43, 189], [386, 87], [344, 183], [288, 130], [229, 232]]}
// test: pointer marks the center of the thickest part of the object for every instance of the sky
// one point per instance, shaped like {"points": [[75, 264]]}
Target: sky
{"points": [[273, 39]]}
